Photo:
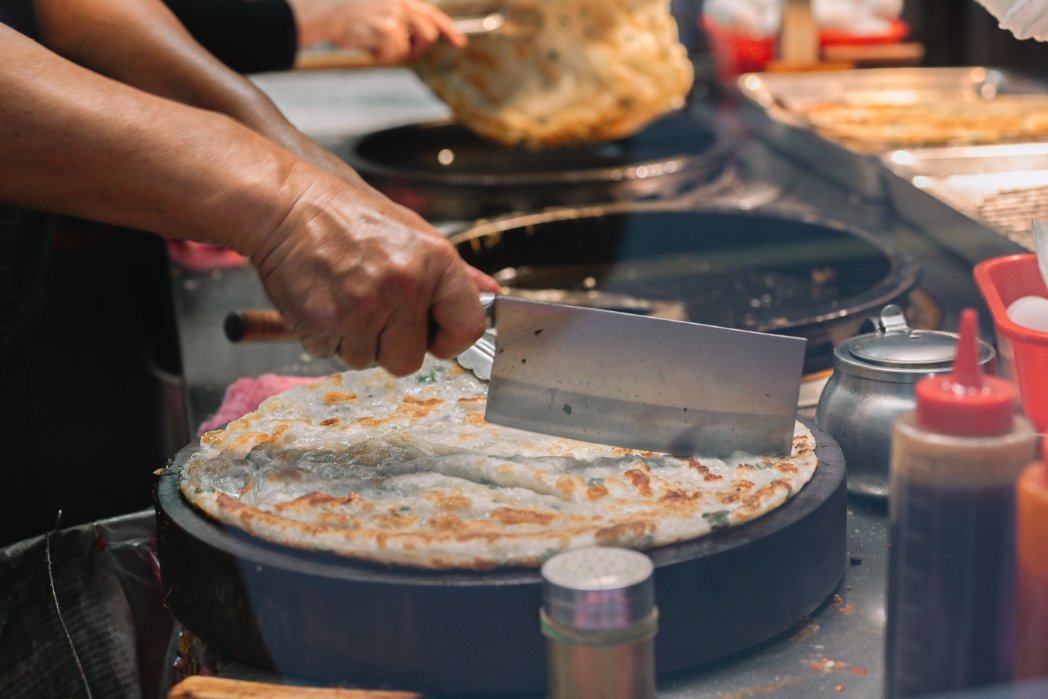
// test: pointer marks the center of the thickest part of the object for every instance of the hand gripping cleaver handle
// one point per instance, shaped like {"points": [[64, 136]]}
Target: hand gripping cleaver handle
{"points": [[266, 325]]}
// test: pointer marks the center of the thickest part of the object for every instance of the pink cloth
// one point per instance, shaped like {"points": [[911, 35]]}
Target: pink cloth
{"points": [[202, 257], [246, 394]]}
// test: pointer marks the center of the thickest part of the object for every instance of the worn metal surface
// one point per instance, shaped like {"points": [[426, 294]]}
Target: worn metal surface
{"points": [[773, 101], [837, 651], [977, 200], [643, 383]]}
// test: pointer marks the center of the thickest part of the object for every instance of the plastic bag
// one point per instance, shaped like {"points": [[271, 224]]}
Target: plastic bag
{"points": [[1026, 19]]}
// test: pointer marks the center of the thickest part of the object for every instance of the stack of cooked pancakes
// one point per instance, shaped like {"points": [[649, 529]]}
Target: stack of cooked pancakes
{"points": [[932, 123], [407, 472]]}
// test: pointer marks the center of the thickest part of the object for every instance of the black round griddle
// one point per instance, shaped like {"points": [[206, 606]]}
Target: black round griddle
{"points": [[767, 271], [445, 172], [332, 619]]}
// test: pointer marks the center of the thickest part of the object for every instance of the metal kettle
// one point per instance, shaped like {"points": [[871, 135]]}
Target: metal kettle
{"points": [[873, 382]]}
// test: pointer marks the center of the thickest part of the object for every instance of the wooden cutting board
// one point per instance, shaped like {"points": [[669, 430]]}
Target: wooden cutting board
{"points": [[201, 687]]}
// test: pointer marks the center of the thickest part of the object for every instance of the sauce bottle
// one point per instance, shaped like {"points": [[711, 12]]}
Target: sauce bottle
{"points": [[1032, 597], [955, 460]]}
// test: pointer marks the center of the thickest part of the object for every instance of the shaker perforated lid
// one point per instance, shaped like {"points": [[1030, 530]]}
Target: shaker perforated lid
{"points": [[599, 588]]}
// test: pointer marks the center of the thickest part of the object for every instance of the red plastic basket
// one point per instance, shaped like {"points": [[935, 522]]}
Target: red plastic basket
{"points": [[1023, 352]]}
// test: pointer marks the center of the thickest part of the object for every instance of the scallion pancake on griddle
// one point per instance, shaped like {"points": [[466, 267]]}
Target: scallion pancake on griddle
{"points": [[406, 471]]}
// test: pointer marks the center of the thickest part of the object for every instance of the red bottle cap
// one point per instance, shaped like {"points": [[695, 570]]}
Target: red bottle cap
{"points": [[966, 402]]}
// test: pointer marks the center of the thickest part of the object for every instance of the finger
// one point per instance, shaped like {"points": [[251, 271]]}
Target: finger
{"points": [[483, 281], [319, 346], [441, 22], [423, 33], [456, 312], [393, 44], [357, 349], [402, 344]]}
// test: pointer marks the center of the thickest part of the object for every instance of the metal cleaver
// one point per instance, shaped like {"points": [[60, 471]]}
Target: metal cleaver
{"points": [[640, 382], [620, 378]]}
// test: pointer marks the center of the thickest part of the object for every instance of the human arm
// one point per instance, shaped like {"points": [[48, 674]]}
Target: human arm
{"points": [[352, 272], [392, 31], [143, 44]]}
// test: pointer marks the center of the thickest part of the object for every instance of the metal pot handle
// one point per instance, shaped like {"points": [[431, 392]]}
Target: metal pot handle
{"points": [[891, 320]]}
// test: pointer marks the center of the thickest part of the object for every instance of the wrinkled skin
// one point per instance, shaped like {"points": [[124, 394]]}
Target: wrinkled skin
{"points": [[154, 134], [382, 299]]}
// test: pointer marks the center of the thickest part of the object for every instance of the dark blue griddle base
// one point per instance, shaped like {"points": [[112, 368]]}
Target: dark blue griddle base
{"points": [[331, 619]]}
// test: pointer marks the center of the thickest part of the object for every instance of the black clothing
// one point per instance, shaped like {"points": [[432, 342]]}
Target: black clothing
{"points": [[20, 15], [249, 36], [83, 322]]}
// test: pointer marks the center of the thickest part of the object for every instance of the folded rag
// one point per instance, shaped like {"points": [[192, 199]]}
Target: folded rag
{"points": [[247, 393], [202, 257]]}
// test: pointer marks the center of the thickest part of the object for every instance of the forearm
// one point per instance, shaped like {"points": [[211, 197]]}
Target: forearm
{"points": [[141, 43], [80, 144]]}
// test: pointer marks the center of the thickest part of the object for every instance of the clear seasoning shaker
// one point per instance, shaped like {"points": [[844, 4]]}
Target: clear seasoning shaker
{"points": [[599, 618], [955, 460]]}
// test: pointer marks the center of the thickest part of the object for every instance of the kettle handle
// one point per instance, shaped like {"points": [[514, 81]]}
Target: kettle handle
{"points": [[891, 320]]}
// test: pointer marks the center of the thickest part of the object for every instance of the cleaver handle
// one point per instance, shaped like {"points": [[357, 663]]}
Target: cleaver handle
{"points": [[256, 325], [265, 325]]}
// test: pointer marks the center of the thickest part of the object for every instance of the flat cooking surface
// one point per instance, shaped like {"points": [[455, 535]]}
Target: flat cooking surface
{"points": [[331, 618], [450, 151], [445, 172], [762, 271]]}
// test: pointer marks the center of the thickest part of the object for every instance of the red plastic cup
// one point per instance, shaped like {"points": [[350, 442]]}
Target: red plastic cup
{"points": [[1023, 352], [735, 54]]}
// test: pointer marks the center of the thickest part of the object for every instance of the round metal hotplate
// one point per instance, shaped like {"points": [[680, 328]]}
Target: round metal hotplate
{"points": [[332, 619], [767, 271], [445, 172]]}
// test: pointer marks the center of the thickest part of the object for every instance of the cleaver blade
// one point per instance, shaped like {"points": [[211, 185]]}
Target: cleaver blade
{"points": [[643, 383]]}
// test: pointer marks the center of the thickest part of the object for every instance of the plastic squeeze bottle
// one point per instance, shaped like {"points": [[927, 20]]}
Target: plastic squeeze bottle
{"points": [[955, 461], [1032, 605]]}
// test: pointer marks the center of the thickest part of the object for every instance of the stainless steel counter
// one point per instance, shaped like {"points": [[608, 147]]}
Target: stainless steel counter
{"points": [[835, 652]]}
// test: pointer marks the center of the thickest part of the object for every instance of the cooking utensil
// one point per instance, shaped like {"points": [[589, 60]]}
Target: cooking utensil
{"points": [[874, 381], [768, 271], [641, 382], [622, 379], [445, 172], [800, 34], [320, 617], [519, 25]]}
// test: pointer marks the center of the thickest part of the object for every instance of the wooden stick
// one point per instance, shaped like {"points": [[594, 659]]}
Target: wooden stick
{"points": [[201, 687], [335, 58]]}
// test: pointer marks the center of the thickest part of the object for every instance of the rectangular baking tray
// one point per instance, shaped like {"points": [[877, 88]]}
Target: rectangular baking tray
{"points": [[771, 104], [976, 200]]}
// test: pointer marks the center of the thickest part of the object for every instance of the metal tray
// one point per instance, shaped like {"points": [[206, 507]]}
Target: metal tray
{"points": [[771, 104], [976, 200]]}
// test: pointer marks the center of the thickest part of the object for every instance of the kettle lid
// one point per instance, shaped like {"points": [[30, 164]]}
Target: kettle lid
{"points": [[897, 345]]}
